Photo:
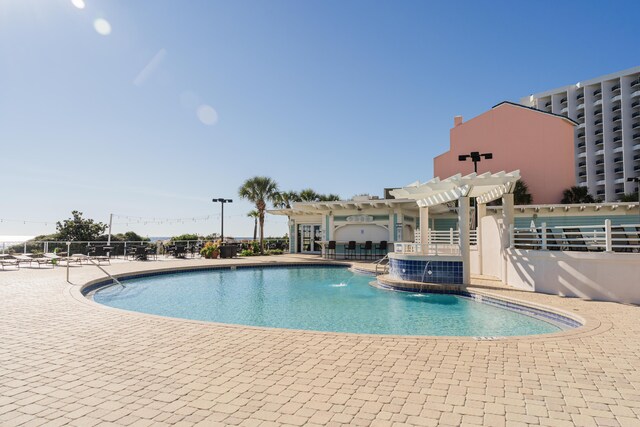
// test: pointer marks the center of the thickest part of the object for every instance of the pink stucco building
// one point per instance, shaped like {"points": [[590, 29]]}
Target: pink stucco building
{"points": [[539, 144]]}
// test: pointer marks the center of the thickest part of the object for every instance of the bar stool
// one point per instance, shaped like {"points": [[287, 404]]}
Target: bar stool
{"points": [[331, 247], [366, 248], [350, 248], [381, 248]]}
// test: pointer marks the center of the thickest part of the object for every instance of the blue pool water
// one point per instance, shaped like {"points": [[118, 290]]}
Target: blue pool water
{"points": [[314, 298]]}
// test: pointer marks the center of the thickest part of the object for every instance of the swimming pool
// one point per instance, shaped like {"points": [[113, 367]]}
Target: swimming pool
{"points": [[314, 298]]}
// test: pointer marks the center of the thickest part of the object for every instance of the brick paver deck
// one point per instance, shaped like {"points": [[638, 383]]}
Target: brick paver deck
{"points": [[66, 360]]}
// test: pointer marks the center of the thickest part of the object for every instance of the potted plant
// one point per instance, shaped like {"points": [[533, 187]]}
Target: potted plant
{"points": [[210, 250]]}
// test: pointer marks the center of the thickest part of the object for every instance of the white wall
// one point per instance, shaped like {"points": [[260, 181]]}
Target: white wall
{"points": [[592, 275], [361, 233], [596, 275]]}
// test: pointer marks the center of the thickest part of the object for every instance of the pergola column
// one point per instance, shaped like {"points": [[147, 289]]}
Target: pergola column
{"points": [[424, 225], [482, 212], [465, 250], [507, 221]]}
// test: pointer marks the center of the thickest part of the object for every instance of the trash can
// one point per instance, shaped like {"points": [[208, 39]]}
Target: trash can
{"points": [[228, 251]]}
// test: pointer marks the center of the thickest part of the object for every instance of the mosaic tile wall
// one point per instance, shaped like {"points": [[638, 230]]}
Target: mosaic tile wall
{"points": [[418, 271]]}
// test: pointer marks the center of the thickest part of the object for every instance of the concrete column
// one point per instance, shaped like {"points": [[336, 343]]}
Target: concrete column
{"points": [[482, 212], [424, 225], [507, 224], [463, 223], [392, 226]]}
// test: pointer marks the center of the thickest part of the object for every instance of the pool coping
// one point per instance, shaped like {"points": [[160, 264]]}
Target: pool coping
{"points": [[589, 325]]}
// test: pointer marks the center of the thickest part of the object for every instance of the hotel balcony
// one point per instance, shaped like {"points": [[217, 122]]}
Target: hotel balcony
{"points": [[599, 162], [616, 108], [635, 115], [619, 190], [580, 126], [597, 112], [617, 128], [580, 107], [635, 104], [582, 164], [600, 153], [584, 154], [618, 170], [635, 83], [616, 98], [597, 92], [616, 119], [580, 135], [616, 88], [598, 143], [636, 93], [547, 105], [582, 175], [581, 145], [565, 110], [619, 149], [617, 139], [581, 115], [618, 160], [636, 158], [636, 136], [597, 122], [598, 132], [580, 96], [636, 126], [599, 102], [582, 183]]}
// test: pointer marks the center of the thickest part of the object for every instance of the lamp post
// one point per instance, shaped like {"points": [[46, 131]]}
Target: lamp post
{"points": [[222, 202], [637, 181], [475, 157]]}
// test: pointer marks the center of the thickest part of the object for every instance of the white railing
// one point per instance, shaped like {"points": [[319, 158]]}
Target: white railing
{"points": [[432, 249], [451, 236], [584, 238]]}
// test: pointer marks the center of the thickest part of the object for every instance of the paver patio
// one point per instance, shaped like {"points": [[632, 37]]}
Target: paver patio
{"points": [[66, 360]]}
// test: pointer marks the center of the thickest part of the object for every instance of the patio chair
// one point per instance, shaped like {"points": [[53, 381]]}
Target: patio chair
{"points": [[366, 248], [140, 253], [350, 248], [330, 247], [552, 242], [620, 240]]}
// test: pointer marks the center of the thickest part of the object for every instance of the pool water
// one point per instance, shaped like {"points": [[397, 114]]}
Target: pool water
{"points": [[314, 298]]}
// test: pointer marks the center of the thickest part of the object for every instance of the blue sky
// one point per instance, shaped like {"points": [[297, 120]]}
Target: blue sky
{"points": [[345, 97]]}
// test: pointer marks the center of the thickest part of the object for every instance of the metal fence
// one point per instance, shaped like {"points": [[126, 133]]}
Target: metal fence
{"points": [[121, 248], [434, 249], [584, 238]]}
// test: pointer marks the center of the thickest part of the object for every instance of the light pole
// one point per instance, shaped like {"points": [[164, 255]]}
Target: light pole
{"points": [[475, 157], [222, 202], [637, 181]]}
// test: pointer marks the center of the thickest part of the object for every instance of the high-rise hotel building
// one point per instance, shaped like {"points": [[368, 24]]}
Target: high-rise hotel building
{"points": [[607, 138]]}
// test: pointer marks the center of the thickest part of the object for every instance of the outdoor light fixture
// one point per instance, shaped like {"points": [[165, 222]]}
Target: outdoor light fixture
{"points": [[475, 157], [222, 202]]}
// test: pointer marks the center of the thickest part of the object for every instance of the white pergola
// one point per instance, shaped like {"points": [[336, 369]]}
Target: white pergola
{"points": [[484, 188]]}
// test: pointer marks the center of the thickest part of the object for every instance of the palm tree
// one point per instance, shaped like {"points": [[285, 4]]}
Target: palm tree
{"points": [[521, 195], [284, 199], [577, 194], [259, 190], [328, 197], [254, 214], [308, 195]]}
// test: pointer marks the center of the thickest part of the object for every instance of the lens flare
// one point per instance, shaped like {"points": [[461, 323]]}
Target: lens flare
{"points": [[102, 26], [78, 3], [207, 115]]}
